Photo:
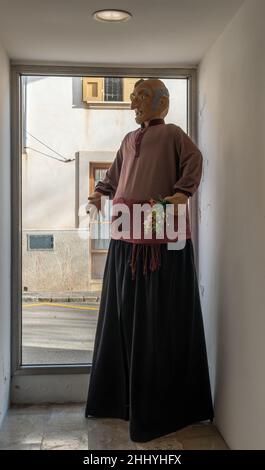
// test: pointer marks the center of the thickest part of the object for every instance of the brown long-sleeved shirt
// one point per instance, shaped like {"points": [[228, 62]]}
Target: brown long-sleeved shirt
{"points": [[168, 162], [153, 163]]}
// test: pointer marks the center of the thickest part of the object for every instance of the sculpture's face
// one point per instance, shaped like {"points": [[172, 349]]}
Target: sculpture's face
{"points": [[145, 102]]}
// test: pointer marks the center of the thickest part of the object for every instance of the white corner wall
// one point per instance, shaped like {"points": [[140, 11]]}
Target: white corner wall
{"points": [[5, 254], [231, 136]]}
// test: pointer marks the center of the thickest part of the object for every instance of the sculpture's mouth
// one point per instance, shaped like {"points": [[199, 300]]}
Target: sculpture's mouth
{"points": [[138, 112]]}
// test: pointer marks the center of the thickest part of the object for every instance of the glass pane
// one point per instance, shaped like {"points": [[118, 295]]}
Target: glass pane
{"points": [[113, 89], [61, 274], [101, 242], [99, 174]]}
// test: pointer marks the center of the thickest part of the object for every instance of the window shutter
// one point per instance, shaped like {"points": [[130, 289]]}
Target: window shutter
{"points": [[93, 89], [128, 86]]}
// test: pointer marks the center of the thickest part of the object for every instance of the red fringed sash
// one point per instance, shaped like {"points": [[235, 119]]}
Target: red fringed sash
{"points": [[150, 248]]}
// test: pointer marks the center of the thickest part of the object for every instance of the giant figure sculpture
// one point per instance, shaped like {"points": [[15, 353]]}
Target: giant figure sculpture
{"points": [[150, 362]]}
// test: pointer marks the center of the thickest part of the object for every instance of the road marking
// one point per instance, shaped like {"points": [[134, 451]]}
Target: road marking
{"points": [[54, 304]]}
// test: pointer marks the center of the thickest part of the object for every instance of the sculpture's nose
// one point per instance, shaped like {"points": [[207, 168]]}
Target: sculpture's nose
{"points": [[133, 103]]}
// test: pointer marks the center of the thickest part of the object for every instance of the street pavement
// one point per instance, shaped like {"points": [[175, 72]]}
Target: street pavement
{"points": [[58, 333]]}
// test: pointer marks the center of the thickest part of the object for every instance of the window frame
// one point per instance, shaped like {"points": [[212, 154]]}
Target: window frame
{"points": [[17, 71], [107, 104]]}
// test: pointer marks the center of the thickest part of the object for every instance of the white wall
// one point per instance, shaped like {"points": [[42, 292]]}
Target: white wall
{"points": [[4, 234], [232, 223]]}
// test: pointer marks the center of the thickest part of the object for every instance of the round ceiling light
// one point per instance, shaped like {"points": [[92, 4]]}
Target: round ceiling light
{"points": [[112, 15]]}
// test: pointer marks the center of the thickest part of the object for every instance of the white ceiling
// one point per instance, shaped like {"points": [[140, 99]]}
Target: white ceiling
{"points": [[161, 32]]}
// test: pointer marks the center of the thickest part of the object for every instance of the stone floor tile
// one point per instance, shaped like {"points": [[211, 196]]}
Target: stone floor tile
{"points": [[108, 433]]}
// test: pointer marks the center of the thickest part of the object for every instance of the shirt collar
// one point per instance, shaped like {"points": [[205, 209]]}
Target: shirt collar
{"points": [[153, 122]]}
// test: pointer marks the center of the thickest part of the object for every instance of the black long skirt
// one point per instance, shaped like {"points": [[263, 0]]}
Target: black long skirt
{"points": [[150, 362]]}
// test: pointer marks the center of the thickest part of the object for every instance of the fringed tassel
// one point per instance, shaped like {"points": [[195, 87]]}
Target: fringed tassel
{"points": [[135, 254], [145, 259], [155, 259]]}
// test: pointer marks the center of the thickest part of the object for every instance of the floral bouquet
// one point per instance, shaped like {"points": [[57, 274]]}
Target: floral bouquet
{"points": [[155, 221]]}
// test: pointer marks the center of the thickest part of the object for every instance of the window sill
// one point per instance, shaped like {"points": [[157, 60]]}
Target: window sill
{"points": [[108, 104]]}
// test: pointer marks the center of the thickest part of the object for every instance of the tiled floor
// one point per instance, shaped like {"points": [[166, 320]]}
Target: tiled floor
{"points": [[65, 427]]}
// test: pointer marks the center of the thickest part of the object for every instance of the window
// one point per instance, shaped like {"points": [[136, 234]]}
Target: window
{"points": [[97, 173], [107, 89], [49, 338], [99, 245], [113, 89]]}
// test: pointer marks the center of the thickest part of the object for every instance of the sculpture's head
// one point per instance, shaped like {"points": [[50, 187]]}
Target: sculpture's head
{"points": [[150, 99]]}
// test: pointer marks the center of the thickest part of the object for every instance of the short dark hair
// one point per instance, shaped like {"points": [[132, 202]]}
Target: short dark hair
{"points": [[138, 82]]}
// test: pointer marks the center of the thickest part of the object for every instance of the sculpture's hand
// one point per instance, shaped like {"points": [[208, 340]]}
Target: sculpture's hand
{"points": [[94, 204], [177, 198]]}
